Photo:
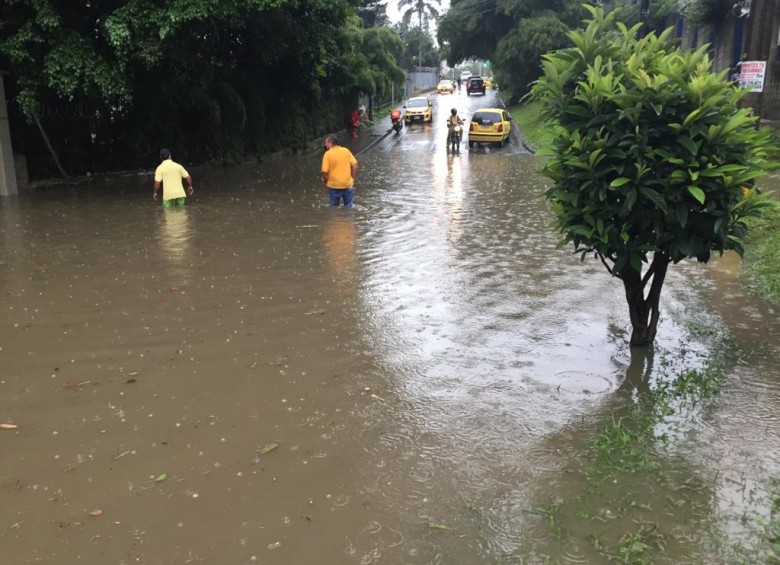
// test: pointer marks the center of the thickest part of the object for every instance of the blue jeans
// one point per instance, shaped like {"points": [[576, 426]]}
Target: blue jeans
{"points": [[336, 194]]}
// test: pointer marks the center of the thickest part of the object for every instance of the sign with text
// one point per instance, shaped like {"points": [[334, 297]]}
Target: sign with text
{"points": [[751, 75]]}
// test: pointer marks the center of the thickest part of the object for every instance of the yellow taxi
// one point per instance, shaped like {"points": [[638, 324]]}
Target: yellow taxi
{"points": [[418, 109], [490, 125], [445, 87]]}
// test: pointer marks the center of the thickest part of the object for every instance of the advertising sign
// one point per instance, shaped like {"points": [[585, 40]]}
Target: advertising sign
{"points": [[751, 75]]}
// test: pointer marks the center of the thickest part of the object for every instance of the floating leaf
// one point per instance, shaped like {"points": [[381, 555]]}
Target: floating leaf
{"points": [[70, 384], [269, 447], [174, 288], [95, 512], [8, 426], [160, 478], [435, 526]]}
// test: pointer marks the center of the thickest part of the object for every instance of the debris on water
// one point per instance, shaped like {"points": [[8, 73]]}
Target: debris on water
{"points": [[315, 313], [174, 288], [160, 478], [95, 512], [130, 381], [268, 447], [8, 426], [74, 384]]}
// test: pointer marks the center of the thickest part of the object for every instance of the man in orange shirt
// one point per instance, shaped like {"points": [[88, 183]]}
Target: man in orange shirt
{"points": [[339, 169]]}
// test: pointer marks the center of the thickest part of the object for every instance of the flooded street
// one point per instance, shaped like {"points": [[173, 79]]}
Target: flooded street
{"points": [[260, 378]]}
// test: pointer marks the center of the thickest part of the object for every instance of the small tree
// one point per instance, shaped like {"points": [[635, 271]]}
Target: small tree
{"points": [[653, 162]]}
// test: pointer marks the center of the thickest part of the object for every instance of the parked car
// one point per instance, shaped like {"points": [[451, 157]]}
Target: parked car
{"points": [[490, 125], [476, 84], [418, 109], [445, 87]]}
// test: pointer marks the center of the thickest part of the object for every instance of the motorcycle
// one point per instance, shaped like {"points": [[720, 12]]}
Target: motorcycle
{"points": [[454, 142], [397, 123]]}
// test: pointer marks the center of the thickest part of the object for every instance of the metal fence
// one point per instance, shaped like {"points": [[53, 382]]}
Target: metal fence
{"points": [[418, 81]]}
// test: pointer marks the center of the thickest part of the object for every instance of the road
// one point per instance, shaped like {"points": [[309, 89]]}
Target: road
{"points": [[432, 137]]}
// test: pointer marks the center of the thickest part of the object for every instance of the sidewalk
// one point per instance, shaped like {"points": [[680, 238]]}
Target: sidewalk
{"points": [[371, 135]]}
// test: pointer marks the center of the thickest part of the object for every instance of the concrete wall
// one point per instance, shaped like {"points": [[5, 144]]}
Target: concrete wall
{"points": [[8, 184], [422, 79]]}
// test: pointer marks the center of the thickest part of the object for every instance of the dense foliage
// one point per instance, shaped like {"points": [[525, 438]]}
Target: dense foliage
{"points": [[714, 12], [512, 34], [652, 158], [515, 34], [112, 82]]}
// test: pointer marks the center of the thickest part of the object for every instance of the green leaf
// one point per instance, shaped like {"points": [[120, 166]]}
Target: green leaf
{"points": [[160, 478], [681, 212], [654, 197], [688, 143], [692, 116], [618, 182], [697, 193], [268, 447], [635, 259], [594, 157]]}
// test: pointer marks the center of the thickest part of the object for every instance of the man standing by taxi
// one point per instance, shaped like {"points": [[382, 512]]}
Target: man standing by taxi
{"points": [[170, 174], [339, 169]]}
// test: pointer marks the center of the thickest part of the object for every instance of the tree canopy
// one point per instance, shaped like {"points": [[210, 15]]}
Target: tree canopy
{"points": [[212, 79], [512, 34], [653, 160]]}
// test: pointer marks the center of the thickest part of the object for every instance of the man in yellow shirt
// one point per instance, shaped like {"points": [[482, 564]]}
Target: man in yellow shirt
{"points": [[170, 175], [339, 169]]}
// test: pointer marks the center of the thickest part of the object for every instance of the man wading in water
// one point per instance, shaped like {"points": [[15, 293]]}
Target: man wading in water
{"points": [[170, 174]]}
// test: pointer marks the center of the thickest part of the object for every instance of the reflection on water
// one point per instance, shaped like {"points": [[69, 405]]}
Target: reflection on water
{"points": [[448, 189], [176, 240], [339, 241], [427, 366]]}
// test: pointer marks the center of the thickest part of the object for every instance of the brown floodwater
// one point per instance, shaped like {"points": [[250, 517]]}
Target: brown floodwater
{"points": [[260, 378]]}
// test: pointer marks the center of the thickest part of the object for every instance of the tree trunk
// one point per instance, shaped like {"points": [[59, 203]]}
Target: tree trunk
{"points": [[51, 149], [645, 311]]}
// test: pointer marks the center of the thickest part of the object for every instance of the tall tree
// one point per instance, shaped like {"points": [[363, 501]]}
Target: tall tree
{"points": [[512, 34], [418, 47], [653, 161], [373, 13], [427, 11]]}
